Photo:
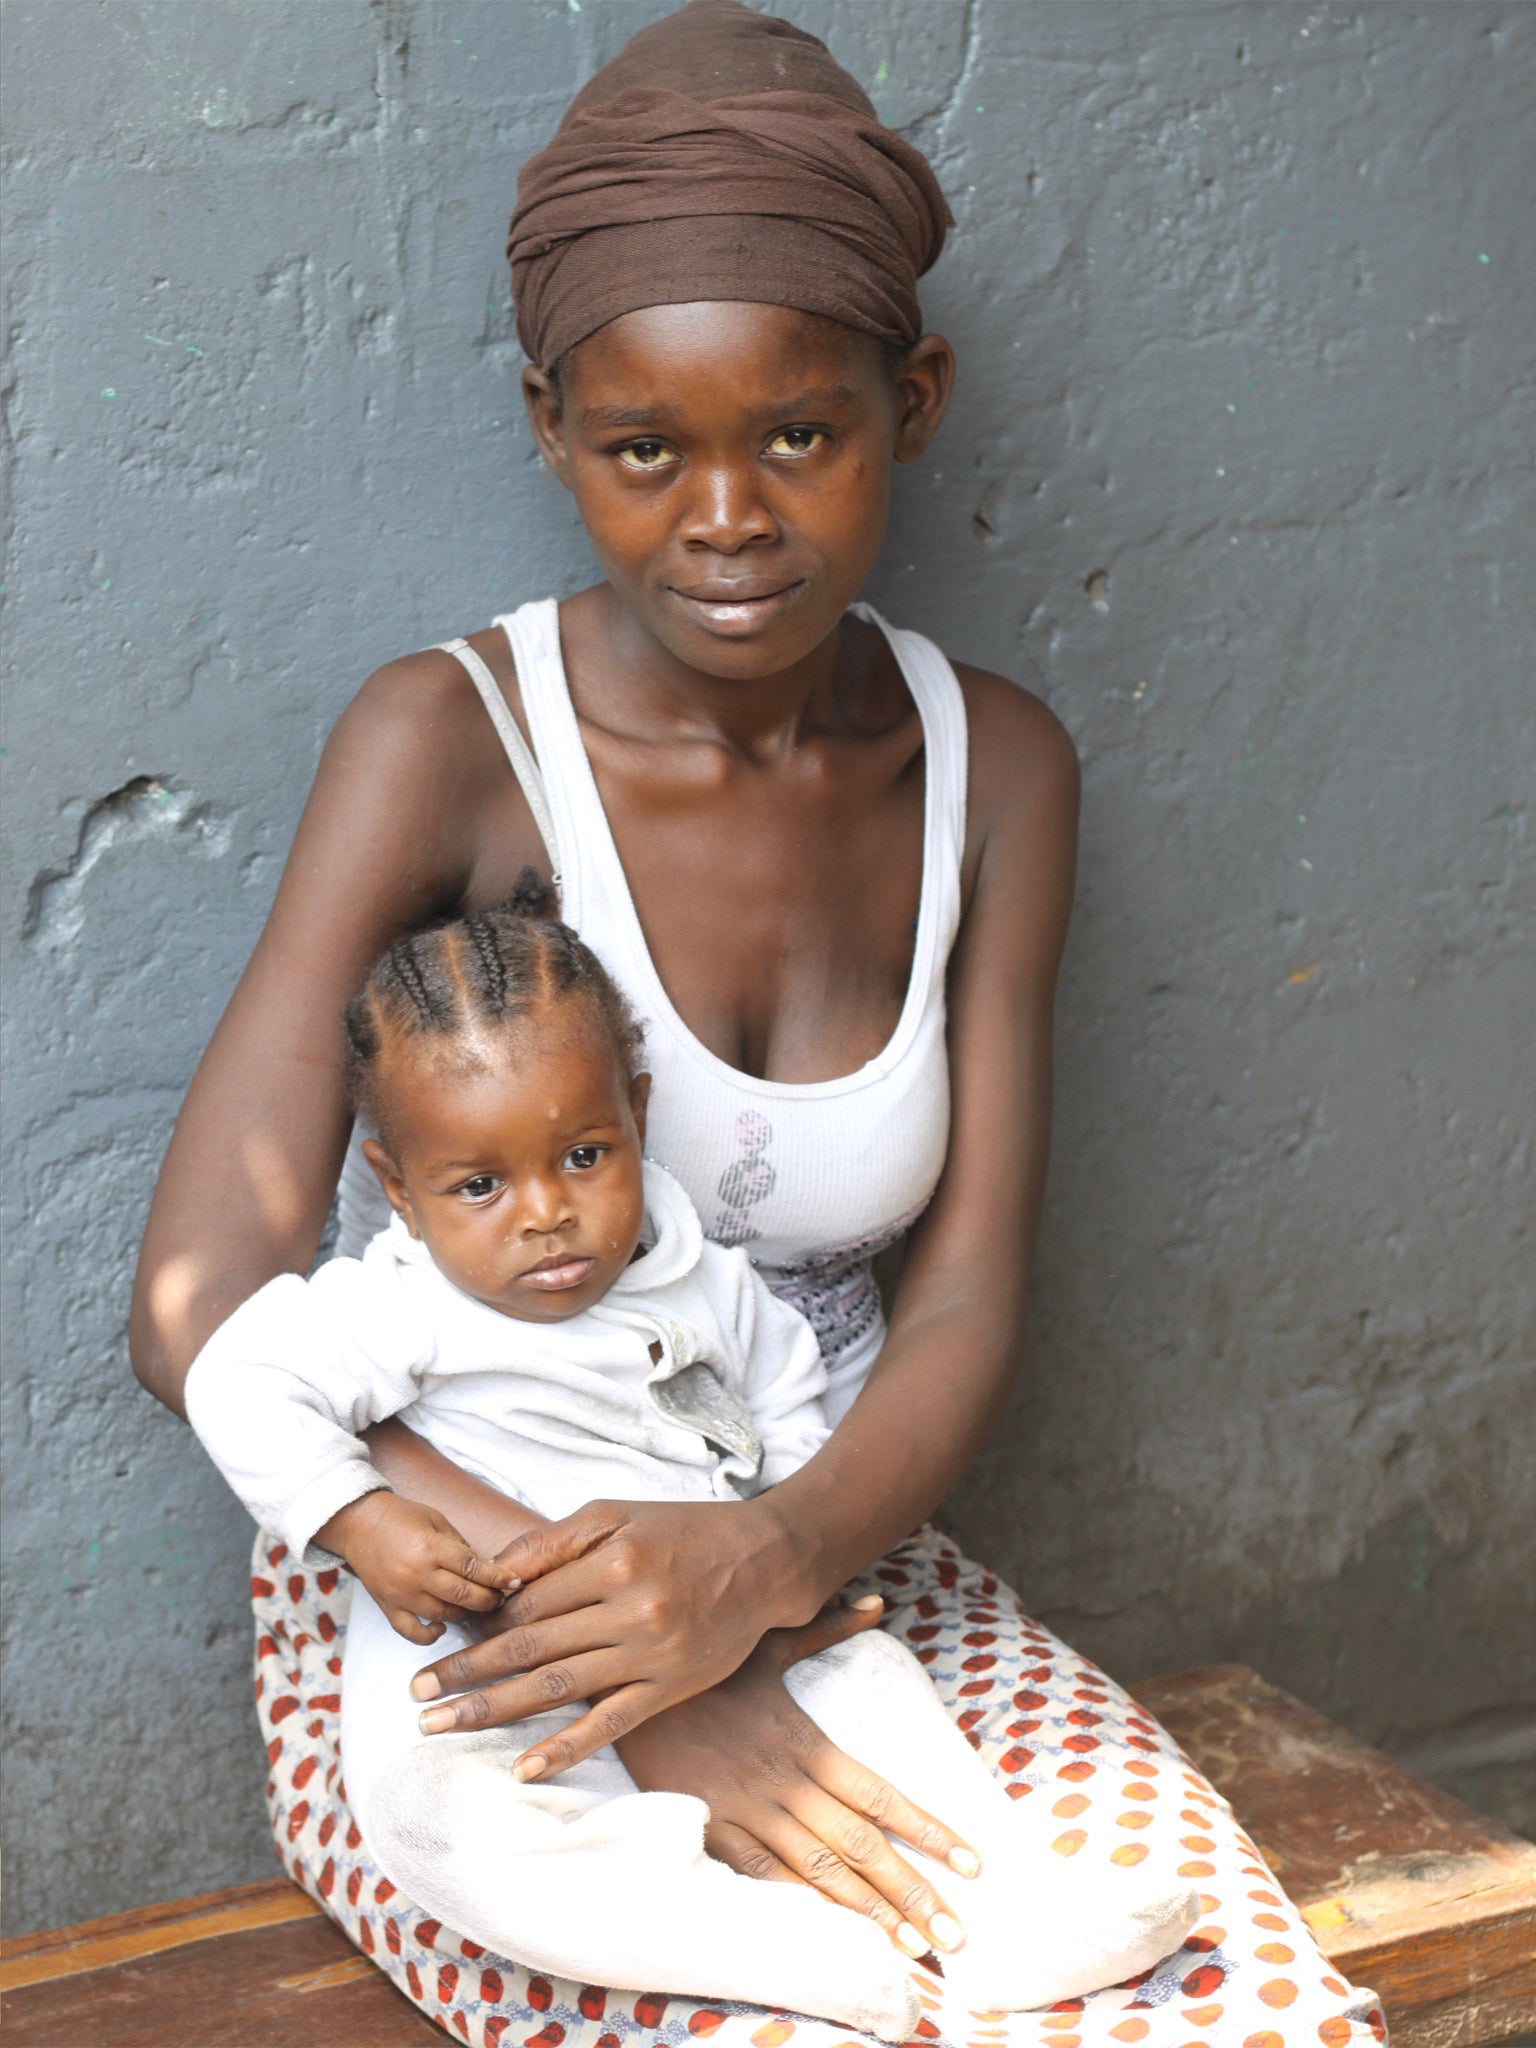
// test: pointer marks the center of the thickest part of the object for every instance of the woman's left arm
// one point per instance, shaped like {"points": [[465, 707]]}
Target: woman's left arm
{"points": [[957, 1324], [947, 1364]]}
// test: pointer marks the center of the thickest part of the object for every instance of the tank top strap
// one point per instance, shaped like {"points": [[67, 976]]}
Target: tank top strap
{"points": [[533, 634], [936, 692], [525, 764]]}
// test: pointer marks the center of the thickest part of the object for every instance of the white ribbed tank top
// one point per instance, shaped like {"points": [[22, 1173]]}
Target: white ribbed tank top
{"points": [[814, 1178]]}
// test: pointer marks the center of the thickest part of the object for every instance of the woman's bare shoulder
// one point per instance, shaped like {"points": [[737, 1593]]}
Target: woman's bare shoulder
{"points": [[1022, 759], [414, 788], [1003, 714], [426, 705]]}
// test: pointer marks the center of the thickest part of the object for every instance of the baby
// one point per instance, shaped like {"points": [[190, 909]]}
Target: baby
{"points": [[545, 1310]]}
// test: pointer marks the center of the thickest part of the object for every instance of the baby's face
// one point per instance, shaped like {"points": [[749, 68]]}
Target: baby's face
{"points": [[516, 1159]]}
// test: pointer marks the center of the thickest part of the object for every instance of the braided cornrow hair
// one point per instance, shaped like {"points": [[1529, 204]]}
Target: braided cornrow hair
{"points": [[488, 968]]}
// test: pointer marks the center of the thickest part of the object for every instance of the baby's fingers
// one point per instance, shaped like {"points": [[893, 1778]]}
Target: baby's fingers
{"points": [[448, 1556], [415, 1628], [458, 1588]]}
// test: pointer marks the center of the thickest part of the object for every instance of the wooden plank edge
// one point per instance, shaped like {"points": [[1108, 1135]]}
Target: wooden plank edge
{"points": [[43, 1965], [1500, 2009], [225, 1899], [1509, 1909], [1203, 1680], [1432, 1961]]}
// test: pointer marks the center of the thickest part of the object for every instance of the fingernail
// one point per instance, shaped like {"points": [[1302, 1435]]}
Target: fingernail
{"points": [[437, 1722], [947, 1932], [907, 1937], [424, 1686], [512, 1585], [865, 1602], [966, 1861], [528, 1767]]}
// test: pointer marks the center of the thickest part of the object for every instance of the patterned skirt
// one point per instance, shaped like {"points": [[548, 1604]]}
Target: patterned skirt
{"points": [[1049, 1723]]}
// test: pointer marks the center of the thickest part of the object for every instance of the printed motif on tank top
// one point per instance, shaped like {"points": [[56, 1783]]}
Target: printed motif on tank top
{"points": [[748, 1179]]}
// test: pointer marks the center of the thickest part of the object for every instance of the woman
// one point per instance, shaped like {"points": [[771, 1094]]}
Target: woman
{"points": [[834, 875]]}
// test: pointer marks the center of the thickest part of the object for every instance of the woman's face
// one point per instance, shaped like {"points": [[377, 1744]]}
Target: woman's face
{"points": [[731, 463]]}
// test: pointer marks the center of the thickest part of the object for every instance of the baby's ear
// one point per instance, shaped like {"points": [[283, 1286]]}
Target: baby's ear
{"points": [[639, 1097], [379, 1157]]}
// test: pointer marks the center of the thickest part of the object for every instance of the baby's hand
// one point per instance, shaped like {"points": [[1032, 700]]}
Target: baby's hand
{"points": [[418, 1567]]}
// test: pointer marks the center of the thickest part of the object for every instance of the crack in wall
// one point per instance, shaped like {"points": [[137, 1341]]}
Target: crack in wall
{"points": [[145, 810]]}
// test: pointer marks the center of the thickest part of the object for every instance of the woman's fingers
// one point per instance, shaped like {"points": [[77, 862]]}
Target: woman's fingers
{"points": [[810, 1856], [743, 1852], [535, 1692], [834, 1624], [607, 1575], [540, 1551], [785, 1801], [604, 1722], [566, 1589], [866, 1792], [849, 1839], [514, 1650]]}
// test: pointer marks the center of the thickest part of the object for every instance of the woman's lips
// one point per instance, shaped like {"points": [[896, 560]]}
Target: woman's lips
{"points": [[553, 1276], [724, 613]]}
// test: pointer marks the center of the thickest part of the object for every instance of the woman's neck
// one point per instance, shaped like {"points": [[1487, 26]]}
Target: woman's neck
{"points": [[627, 680]]}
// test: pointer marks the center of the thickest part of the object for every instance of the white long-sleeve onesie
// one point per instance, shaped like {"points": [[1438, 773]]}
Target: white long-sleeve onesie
{"points": [[689, 1380]]}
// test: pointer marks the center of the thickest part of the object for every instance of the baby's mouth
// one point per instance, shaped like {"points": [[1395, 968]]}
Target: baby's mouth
{"points": [[559, 1271]]}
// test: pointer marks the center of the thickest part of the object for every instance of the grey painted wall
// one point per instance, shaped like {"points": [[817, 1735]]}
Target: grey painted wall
{"points": [[1239, 475]]}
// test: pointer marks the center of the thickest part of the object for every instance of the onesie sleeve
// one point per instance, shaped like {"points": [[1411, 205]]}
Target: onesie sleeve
{"points": [[784, 1374], [280, 1391]]}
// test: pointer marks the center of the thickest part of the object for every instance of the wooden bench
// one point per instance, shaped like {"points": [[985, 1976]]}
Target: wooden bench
{"points": [[1406, 1889]]}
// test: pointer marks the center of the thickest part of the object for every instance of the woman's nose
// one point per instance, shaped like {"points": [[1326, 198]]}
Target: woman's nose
{"points": [[725, 509]]}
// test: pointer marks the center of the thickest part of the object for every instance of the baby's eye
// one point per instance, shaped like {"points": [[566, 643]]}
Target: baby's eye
{"points": [[582, 1158], [647, 455], [479, 1187], [796, 441]]}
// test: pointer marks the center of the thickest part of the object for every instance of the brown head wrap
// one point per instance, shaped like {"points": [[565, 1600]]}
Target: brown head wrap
{"points": [[723, 154]]}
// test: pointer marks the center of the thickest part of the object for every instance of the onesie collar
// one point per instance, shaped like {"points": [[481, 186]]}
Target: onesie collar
{"points": [[672, 1237]]}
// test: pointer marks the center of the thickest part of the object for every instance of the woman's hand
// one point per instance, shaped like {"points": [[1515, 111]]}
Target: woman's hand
{"points": [[787, 1804], [713, 1716], [634, 1605]]}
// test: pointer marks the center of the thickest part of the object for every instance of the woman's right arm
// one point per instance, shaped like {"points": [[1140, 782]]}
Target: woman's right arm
{"points": [[413, 813]]}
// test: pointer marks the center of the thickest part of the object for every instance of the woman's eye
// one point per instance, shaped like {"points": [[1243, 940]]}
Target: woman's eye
{"points": [[796, 441], [582, 1158], [647, 455], [479, 1188]]}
